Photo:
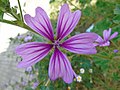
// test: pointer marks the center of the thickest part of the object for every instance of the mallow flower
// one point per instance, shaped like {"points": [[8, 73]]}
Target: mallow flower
{"points": [[59, 66], [106, 38]]}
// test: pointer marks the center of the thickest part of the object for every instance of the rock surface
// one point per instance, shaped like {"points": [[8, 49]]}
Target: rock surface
{"points": [[9, 73]]}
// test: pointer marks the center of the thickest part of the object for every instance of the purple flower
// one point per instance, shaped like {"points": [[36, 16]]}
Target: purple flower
{"points": [[32, 76], [59, 66], [29, 69], [35, 84], [27, 38], [115, 51], [24, 83], [106, 38], [20, 36]]}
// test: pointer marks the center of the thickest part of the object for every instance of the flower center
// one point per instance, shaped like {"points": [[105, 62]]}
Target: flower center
{"points": [[56, 43]]}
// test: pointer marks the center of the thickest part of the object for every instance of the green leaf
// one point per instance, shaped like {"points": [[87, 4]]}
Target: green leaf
{"points": [[101, 3], [116, 77], [117, 9], [4, 3], [102, 25], [28, 88], [51, 1], [102, 63], [105, 7], [116, 28], [14, 9], [87, 11], [1, 15], [46, 88], [84, 1], [116, 19], [42, 87], [88, 85]]}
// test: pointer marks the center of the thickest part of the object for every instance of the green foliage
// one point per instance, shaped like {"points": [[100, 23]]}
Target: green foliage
{"points": [[4, 5], [117, 9], [1, 15], [116, 19], [102, 25], [51, 1], [83, 2]]}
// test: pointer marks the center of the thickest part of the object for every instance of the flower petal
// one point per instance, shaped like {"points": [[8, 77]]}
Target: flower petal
{"points": [[66, 21], [113, 35], [81, 43], [106, 34], [60, 67], [32, 53], [107, 43], [40, 23], [99, 39]]}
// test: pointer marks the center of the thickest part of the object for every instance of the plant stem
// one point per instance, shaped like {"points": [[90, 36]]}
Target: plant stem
{"points": [[74, 5], [101, 56], [20, 11], [47, 82], [17, 18], [114, 44], [20, 24]]}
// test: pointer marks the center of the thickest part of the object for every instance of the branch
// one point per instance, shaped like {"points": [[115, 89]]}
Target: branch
{"points": [[20, 11], [17, 23]]}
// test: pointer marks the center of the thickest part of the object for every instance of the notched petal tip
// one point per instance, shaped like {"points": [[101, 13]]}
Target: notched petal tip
{"points": [[27, 16], [65, 6], [40, 23], [39, 9], [27, 19], [78, 12], [67, 21]]}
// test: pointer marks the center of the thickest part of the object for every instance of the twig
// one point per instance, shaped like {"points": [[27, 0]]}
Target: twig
{"points": [[22, 25], [20, 11], [47, 82], [73, 5]]}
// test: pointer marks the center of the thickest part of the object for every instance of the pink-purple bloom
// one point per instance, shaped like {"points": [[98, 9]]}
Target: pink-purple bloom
{"points": [[19, 36], [59, 66], [24, 83], [29, 69], [28, 38], [106, 38], [35, 84], [115, 50]]}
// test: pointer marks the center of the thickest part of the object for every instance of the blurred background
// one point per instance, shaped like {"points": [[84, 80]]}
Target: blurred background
{"points": [[97, 15], [28, 7]]}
